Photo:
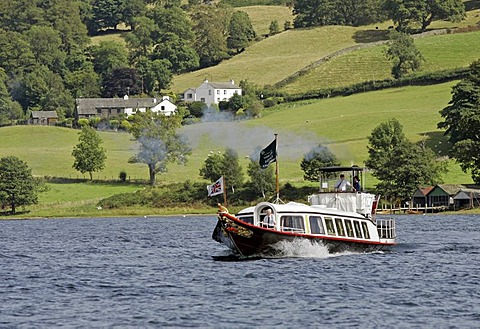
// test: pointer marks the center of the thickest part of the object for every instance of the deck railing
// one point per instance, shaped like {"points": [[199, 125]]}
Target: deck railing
{"points": [[386, 228]]}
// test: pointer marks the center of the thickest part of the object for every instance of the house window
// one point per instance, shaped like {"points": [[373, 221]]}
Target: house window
{"points": [[202, 99], [224, 92], [162, 108], [209, 93], [189, 96], [99, 111], [218, 100], [218, 92]]}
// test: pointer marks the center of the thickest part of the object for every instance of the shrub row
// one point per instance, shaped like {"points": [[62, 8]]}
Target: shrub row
{"points": [[412, 80], [189, 193]]}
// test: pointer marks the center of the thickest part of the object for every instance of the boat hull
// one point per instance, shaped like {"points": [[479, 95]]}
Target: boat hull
{"points": [[249, 240]]}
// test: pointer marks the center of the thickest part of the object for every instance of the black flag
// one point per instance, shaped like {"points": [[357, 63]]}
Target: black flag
{"points": [[268, 154]]}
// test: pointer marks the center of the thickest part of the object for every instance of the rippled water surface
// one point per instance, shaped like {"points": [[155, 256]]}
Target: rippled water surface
{"points": [[164, 271]]}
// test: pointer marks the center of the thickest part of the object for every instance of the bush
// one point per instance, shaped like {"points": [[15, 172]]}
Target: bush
{"points": [[83, 122], [122, 176]]}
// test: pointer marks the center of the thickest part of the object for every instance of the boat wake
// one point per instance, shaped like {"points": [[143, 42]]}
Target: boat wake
{"points": [[302, 249]]}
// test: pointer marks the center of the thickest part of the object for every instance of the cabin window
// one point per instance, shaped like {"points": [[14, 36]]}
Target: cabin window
{"points": [[329, 225], [358, 231], [339, 226], [292, 224], [247, 219], [365, 230], [349, 228], [316, 225]]}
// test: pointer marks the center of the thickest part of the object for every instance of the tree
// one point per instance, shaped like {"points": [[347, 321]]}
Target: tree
{"points": [[45, 90], [405, 55], [212, 168], [178, 52], [462, 122], [156, 75], [140, 40], [262, 180], [210, 28], [9, 110], [89, 155], [407, 13], [240, 31], [227, 165], [47, 49], [232, 169], [17, 185], [159, 142], [337, 12], [273, 28], [318, 157], [400, 165], [122, 81], [108, 55], [107, 14]]}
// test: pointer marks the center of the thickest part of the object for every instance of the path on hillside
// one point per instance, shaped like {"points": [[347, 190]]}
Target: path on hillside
{"points": [[347, 50]]}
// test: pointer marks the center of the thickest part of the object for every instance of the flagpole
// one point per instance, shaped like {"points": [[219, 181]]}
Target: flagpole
{"points": [[224, 192], [276, 170]]}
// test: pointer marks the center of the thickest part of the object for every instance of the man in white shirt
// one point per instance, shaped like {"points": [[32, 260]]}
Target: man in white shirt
{"points": [[342, 184], [269, 219]]}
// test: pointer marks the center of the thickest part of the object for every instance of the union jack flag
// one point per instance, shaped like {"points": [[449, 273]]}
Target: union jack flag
{"points": [[216, 188]]}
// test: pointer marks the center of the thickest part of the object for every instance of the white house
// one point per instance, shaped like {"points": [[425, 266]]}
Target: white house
{"points": [[212, 92], [165, 107]]}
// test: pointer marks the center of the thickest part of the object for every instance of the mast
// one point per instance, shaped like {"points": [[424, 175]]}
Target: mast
{"points": [[276, 170], [224, 191]]}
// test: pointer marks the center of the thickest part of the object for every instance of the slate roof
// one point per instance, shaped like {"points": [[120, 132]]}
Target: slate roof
{"points": [[223, 85], [44, 115], [90, 105]]}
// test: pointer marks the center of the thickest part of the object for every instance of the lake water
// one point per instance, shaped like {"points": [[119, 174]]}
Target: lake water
{"points": [[163, 272]]}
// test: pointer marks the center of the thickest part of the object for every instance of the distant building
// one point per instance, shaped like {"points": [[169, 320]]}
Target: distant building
{"points": [[109, 107], [44, 118], [454, 196], [212, 92]]}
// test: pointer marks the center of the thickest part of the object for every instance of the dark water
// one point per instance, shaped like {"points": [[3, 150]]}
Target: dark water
{"points": [[160, 272]]}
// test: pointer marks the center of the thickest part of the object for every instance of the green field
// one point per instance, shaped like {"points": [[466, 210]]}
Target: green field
{"points": [[342, 123], [441, 52], [262, 16], [276, 58]]}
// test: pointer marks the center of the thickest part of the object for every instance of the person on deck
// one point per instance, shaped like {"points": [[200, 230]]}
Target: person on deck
{"points": [[342, 184], [356, 183], [269, 219]]}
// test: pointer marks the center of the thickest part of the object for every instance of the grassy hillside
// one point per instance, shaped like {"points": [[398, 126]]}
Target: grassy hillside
{"points": [[262, 16], [441, 52], [342, 123], [274, 58]]}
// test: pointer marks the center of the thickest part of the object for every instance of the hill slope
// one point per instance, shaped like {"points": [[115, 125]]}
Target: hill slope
{"points": [[342, 123]]}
